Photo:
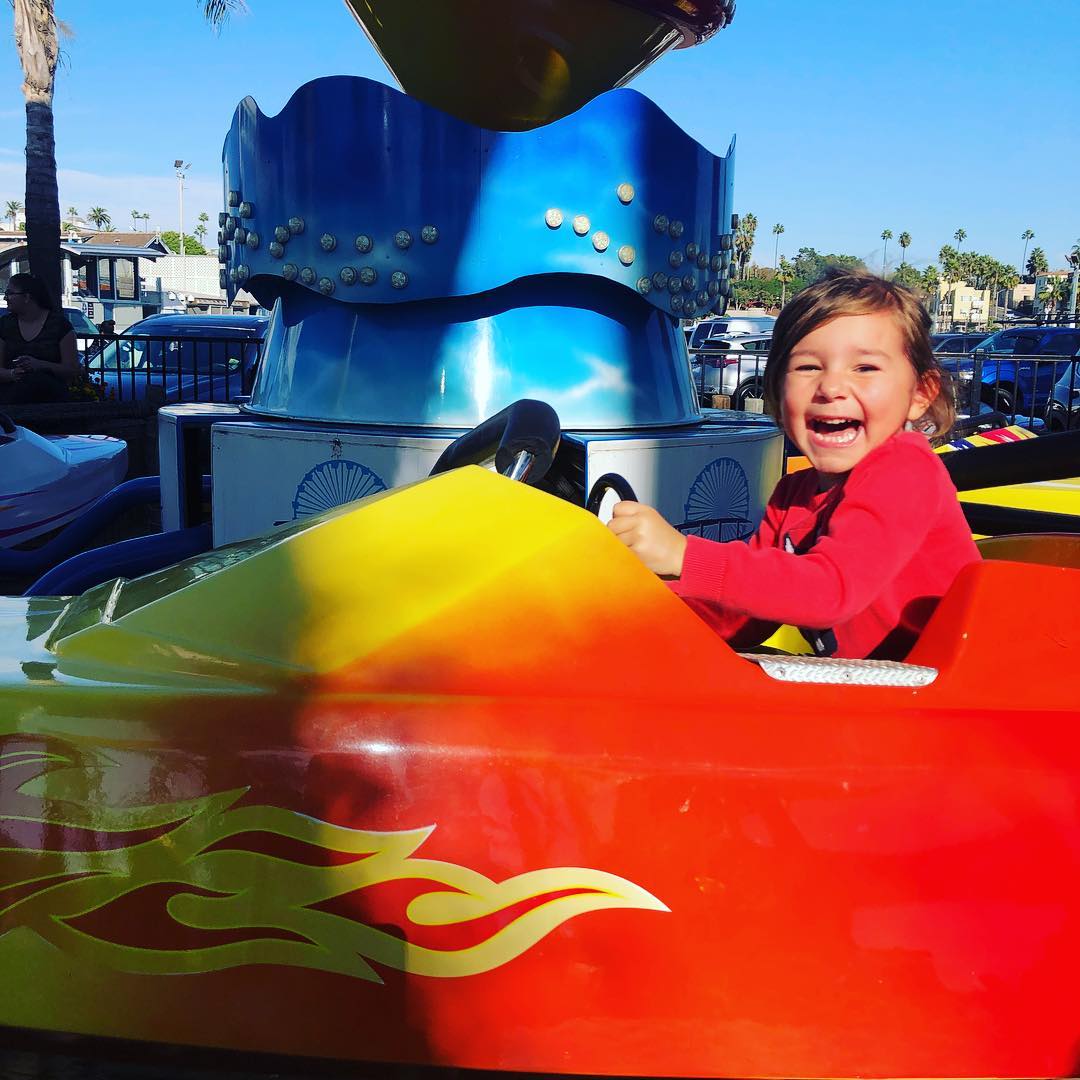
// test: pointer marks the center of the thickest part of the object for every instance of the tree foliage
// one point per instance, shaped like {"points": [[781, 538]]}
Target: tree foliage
{"points": [[811, 266], [762, 292], [910, 278], [171, 239], [1037, 263]]}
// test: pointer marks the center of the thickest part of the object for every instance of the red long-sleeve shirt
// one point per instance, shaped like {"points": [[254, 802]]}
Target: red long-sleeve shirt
{"points": [[860, 566]]}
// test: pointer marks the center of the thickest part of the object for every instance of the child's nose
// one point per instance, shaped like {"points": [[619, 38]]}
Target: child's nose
{"points": [[832, 385]]}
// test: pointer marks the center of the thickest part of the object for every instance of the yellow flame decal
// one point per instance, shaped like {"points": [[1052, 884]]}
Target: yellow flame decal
{"points": [[48, 890]]}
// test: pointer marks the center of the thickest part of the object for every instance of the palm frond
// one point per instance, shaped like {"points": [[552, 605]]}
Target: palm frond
{"points": [[217, 11]]}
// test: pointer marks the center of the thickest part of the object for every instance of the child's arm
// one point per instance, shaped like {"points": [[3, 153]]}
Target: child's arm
{"points": [[661, 548], [881, 521]]}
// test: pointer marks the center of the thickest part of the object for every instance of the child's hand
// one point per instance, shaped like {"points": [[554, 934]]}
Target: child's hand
{"points": [[649, 537]]}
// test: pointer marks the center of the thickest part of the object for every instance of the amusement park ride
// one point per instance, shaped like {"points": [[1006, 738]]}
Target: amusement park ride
{"points": [[447, 778]]}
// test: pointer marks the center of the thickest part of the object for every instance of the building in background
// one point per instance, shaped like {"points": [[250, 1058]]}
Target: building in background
{"points": [[100, 272], [960, 304]]}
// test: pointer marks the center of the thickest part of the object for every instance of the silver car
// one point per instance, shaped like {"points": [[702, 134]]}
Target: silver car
{"points": [[705, 334], [734, 366]]}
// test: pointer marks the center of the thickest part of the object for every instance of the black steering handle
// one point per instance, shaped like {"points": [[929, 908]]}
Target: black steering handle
{"points": [[609, 482], [526, 427]]}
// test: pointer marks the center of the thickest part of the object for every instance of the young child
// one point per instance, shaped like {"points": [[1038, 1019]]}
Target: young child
{"points": [[857, 550]]}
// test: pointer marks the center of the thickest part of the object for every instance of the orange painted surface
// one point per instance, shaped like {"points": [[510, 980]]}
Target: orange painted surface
{"points": [[743, 877]]}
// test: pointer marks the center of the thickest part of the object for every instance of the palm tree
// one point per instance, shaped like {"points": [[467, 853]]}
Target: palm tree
{"points": [[1027, 235], [1009, 280], [1037, 263], [777, 229], [36, 43], [785, 274], [886, 235], [959, 236], [1073, 259], [949, 258], [12, 210], [134, 220], [744, 241], [904, 240], [99, 217], [1053, 293], [200, 229]]}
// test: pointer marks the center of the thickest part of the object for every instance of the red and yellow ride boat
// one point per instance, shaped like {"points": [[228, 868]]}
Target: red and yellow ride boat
{"points": [[487, 795]]}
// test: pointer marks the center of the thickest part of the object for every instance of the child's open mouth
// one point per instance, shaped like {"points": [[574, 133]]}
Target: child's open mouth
{"points": [[834, 431]]}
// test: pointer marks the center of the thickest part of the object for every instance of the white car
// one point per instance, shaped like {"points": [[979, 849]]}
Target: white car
{"points": [[734, 366]]}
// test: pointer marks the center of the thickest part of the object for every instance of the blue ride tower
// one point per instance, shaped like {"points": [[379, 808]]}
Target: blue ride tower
{"points": [[425, 271]]}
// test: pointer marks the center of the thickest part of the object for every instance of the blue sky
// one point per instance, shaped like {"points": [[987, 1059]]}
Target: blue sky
{"points": [[852, 115]]}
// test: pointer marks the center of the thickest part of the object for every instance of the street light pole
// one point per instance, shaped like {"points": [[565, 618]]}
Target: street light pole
{"points": [[181, 168]]}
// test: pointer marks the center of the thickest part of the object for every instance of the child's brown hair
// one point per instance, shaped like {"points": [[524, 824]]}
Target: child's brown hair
{"points": [[858, 292]]}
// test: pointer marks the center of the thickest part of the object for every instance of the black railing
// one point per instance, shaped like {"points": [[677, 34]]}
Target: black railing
{"points": [[1037, 392], [729, 378], [164, 369]]}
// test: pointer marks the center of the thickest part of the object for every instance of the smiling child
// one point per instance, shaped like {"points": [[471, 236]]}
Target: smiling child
{"points": [[857, 550]]}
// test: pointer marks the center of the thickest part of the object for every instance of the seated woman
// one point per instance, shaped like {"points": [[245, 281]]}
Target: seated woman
{"points": [[38, 357]]}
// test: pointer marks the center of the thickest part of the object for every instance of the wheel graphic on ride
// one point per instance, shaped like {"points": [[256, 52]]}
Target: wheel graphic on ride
{"points": [[334, 483], [718, 505]]}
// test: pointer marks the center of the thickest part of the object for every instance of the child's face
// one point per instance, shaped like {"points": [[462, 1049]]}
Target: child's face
{"points": [[849, 387]]}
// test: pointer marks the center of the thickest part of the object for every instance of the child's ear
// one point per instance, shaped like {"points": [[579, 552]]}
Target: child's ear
{"points": [[926, 391]]}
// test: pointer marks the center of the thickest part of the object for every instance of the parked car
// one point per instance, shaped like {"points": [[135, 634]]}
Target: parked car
{"points": [[733, 366], [182, 358], [1025, 385], [710, 329], [1063, 413], [956, 344]]}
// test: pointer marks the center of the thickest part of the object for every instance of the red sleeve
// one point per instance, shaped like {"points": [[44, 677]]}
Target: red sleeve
{"points": [[737, 627], [890, 500]]}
